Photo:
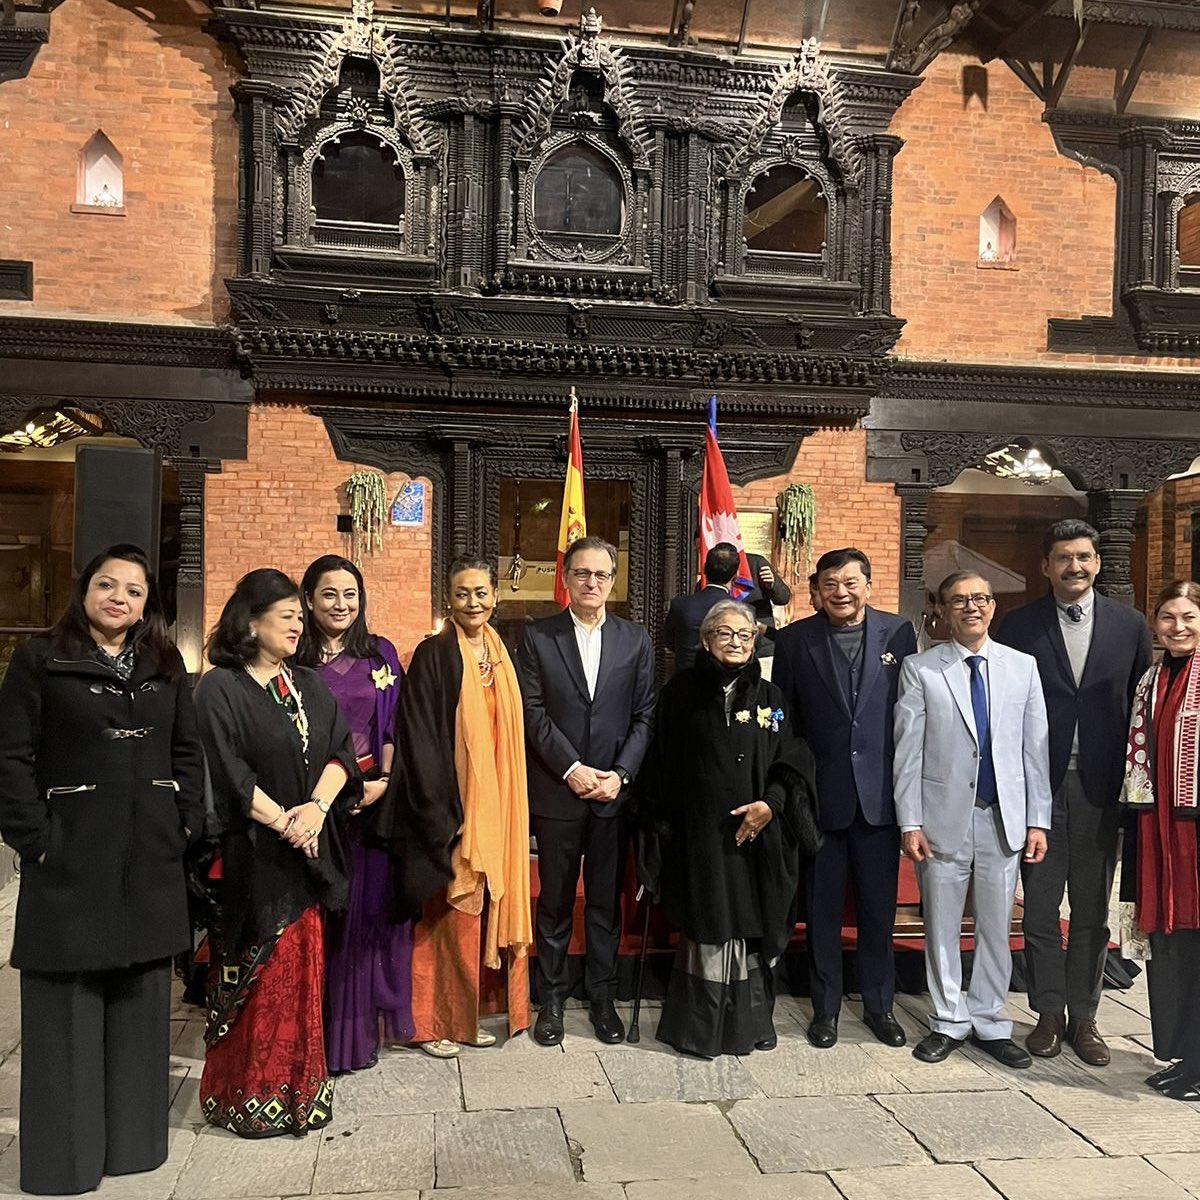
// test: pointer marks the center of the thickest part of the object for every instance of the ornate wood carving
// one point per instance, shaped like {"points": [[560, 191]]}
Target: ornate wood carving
{"points": [[1113, 512]]}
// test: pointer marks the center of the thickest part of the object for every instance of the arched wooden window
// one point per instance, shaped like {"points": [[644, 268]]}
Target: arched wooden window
{"points": [[358, 180], [1188, 243], [786, 212]]}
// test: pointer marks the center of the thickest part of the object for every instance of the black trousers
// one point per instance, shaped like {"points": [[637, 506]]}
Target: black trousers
{"points": [[95, 1050], [1173, 979], [600, 842], [1081, 856], [867, 857]]}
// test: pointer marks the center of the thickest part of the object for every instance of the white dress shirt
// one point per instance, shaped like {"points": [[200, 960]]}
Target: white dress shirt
{"points": [[588, 639]]}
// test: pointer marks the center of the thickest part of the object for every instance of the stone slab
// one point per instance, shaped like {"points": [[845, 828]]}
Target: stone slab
{"points": [[224, 1165], [579, 1036], [151, 1185], [537, 1191], [189, 1041], [1182, 1167], [653, 1141], [763, 1187], [822, 1133], [1116, 1019], [642, 1078], [799, 1069], [966, 1126], [401, 1083], [1087, 1179], [493, 1148], [932, 1181], [407, 1194], [1126, 1123], [376, 1154], [531, 1080]]}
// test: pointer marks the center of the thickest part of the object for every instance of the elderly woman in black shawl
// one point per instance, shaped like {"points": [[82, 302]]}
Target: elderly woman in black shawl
{"points": [[728, 787]]}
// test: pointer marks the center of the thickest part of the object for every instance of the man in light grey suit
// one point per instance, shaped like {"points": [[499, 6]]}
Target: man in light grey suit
{"points": [[972, 787]]}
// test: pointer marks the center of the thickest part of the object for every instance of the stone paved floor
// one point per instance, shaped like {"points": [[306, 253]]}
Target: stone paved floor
{"points": [[587, 1122]]}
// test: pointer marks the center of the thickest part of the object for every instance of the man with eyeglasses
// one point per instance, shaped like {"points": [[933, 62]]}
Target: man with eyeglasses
{"points": [[839, 669], [587, 680], [972, 779], [1091, 652]]}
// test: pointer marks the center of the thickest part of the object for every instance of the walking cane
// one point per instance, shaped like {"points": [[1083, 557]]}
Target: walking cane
{"points": [[635, 1033]]}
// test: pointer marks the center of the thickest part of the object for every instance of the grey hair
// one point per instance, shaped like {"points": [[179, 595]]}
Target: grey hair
{"points": [[722, 610]]}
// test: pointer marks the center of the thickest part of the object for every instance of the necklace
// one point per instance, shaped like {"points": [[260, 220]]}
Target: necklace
{"points": [[329, 653]]}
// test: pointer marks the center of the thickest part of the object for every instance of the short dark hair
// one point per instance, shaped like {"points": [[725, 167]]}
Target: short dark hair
{"points": [[832, 560], [579, 545], [1069, 530], [721, 563], [230, 644], [953, 578], [1184, 589], [357, 642], [72, 633], [812, 581], [471, 562]]}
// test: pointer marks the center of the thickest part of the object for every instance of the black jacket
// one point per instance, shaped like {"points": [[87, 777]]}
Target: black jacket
{"points": [[684, 617], [1119, 655], [563, 725], [107, 808]]}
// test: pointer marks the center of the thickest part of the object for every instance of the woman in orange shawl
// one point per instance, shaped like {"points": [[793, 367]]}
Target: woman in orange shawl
{"points": [[456, 819]]}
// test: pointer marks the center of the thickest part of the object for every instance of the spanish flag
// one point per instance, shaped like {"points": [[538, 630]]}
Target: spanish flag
{"points": [[573, 524]]}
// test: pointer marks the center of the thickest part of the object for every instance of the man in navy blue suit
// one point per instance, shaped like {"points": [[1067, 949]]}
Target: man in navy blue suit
{"points": [[840, 669], [587, 682], [1090, 651], [682, 628]]}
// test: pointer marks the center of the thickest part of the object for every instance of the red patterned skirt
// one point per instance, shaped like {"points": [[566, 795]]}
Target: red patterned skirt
{"points": [[264, 1070]]}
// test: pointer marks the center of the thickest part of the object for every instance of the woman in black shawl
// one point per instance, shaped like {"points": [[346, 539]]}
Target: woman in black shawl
{"points": [[729, 788], [280, 757]]}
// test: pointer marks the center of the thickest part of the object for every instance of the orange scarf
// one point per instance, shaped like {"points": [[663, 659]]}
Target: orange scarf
{"points": [[490, 765]]}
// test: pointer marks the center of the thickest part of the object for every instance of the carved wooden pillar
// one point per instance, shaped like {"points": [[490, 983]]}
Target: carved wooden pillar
{"points": [[469, 202], [462, 500], [256, 193], [914, 528], [876, 266], [189, 587], [1113, 512]]}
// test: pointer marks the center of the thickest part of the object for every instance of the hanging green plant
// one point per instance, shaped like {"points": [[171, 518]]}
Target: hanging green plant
{"points": [[797, 526], [368, 512]]}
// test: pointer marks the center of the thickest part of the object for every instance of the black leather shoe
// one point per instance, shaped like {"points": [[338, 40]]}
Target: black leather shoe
{"points": [[768, 1043], [548, 1030], [1183, 1089], [1005, 1051], [1170, 1074], [885, 1027], [606, 1021], [936, 1047], [822, 1032]]}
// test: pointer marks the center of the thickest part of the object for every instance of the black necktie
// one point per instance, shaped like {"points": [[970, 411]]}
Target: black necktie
{"points": [[1075, 612]]}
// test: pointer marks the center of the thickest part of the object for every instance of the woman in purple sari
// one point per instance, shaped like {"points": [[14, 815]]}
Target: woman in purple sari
{"points": [[369, 956]]}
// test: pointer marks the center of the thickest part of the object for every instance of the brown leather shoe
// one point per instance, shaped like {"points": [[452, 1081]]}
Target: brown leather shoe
{"points": [[1047, 1037], [1086, 1041]]}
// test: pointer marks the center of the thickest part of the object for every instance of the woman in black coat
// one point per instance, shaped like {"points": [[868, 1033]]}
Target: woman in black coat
{"points": [[727, 786], [101, 788]]}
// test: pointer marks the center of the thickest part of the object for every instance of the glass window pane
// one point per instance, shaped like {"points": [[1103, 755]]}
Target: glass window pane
{"points": [[358, 179], [786, 212], [579, 191]]}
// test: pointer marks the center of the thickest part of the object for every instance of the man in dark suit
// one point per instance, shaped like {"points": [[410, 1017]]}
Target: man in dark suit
{"points": [[682, 628], [768, 591], [1090, 651], [840, 669], [587, 679]]}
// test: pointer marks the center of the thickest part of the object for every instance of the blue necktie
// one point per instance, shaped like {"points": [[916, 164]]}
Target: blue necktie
{"points": [[985, 787]]}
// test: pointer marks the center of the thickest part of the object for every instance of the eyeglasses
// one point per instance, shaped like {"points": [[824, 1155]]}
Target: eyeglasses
{"points": [[582, 576], [1085, 557], [979, 599], [742, 636]]}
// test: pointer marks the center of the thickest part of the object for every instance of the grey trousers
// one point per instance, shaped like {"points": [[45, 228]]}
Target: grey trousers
{"points": [[1081, 857], [985, 858], [95, 1061]]}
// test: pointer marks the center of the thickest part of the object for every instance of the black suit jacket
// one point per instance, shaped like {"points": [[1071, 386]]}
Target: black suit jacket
{"points": [[1118, 657], [682, 628], [853, 746], [563, 725]]}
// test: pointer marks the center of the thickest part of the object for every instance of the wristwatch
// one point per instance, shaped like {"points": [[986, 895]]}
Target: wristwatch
{"points": [[323, 805]]}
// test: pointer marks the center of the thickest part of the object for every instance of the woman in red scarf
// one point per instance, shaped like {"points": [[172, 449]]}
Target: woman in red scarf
{"points": [[1160, 783]]}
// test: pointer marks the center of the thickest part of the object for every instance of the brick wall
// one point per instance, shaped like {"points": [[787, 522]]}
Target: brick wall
{"points": [[959, 155], [279, 509], [159, 89], [1168, 517], [849, 511]]}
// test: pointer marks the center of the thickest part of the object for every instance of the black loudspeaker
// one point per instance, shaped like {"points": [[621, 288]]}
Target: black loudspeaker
{"points": [[118, 498]]}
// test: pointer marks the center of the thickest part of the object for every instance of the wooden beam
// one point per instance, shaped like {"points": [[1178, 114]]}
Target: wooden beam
{"points": [[1030, 18], [1026, 74], [745, 23], [1123, 94], [1060, 81], [820, 34]]}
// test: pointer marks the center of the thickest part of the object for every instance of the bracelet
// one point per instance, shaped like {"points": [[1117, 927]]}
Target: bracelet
{"points": [[271, 824]]}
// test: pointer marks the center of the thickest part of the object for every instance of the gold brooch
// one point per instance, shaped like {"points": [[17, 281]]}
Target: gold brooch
{"points": [[383, 677]]}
